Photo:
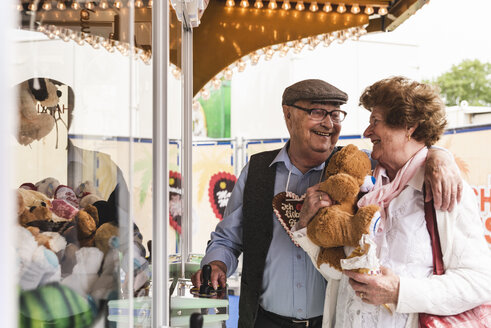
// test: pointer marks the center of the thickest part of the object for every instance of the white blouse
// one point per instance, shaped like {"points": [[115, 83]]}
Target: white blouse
{"points": [[404, 247]]}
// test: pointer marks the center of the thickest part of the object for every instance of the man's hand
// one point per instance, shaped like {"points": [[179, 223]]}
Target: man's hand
{"points": [[314, 200], [442, 180], [218, 275], [375, 289]]}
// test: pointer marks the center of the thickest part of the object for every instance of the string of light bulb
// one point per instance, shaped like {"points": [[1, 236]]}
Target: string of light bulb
{"points": [[61, 5], [355, 8], [282, 50], [97, 42]]}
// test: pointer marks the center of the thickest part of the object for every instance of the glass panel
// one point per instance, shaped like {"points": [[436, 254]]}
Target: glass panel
{"points": [[83, 155]]}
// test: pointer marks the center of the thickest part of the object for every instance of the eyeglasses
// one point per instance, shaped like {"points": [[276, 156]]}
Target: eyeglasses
{"points": [[319, 114]]}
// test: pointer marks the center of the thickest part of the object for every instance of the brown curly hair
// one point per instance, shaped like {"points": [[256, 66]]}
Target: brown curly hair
{"points": [[406, 103]]}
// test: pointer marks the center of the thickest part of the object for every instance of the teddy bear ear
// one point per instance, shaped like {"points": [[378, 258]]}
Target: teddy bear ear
{"points": [[44, 91]]}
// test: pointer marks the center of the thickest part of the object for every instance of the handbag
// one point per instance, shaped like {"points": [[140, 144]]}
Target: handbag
{"points": [[478, 317]]}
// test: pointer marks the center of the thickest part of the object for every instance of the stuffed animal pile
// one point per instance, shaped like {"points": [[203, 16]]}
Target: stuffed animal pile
{"points": [[343, 223], [70, 238]]}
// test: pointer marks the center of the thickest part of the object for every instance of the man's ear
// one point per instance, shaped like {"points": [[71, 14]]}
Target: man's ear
{"points": [[286, 112]]}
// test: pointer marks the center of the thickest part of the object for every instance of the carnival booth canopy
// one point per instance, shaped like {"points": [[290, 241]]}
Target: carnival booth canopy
{"points": [[230, 34]]}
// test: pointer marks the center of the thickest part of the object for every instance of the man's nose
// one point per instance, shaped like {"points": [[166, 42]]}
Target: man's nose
{"points": [[327, 121]]}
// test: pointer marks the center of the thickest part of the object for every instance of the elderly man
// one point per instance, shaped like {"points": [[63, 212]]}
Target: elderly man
{"points": [[280, 287]]}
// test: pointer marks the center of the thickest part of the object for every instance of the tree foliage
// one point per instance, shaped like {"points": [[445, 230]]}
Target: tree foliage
{"points": [[470, 81]]}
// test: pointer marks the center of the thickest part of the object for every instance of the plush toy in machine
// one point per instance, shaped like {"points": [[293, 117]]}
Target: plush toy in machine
{"points": [[343, 223], [34, 124], [32, 206], [56, 306]]}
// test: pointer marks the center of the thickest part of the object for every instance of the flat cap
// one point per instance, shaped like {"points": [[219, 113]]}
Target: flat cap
{"points": [[313, 90]]}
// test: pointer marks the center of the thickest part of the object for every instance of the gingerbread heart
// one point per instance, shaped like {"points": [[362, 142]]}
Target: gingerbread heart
{"points": [[219, 191], [287, 206]]}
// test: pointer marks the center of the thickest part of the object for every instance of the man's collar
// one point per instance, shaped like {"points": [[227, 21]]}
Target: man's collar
{"points": [[283, 157]]}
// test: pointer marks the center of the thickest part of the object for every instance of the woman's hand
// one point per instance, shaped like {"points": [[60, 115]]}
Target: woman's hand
{"points": [[375, 289], [442, 180], [314, 200]]}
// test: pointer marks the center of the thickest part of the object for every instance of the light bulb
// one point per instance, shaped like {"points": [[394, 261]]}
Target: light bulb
{"points": [[139, 3], [355, 9], [103, 4], [286, 5], [89, 5], [313, 7], [241, 65], [341, 8], [300, 6], [230, 3], [216, 83], [313, 42], [244, 3], [258, 4], [272, 4], [32, 6], [205, 94], [176, 72], [118, 4], [298, 47], [75, 5], [61, 5], [369, 10], [47, 5], [327, 7], [20, 7], [150, 3], [382, 11], [327, 40], [284, 50], [227, 74], [255, 58], [269, 54]]}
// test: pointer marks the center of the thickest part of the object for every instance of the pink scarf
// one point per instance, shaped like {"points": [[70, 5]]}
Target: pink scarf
{"points": [[382, 195]]}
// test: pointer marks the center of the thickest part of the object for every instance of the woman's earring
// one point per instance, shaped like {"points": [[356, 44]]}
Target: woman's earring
{"points": [[408, 137]]}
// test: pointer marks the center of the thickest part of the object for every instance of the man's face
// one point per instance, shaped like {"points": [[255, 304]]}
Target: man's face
{"points": [[309, 135]]}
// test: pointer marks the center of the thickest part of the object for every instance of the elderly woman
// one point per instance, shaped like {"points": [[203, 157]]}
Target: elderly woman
{"points": [[406, 118]]}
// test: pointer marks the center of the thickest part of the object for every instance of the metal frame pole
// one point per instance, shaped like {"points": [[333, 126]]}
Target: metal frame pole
{"points": [[160, 268], [187, 138]]}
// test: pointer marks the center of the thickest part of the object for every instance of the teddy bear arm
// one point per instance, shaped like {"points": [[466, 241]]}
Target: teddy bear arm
{"points": [[331, 227]]}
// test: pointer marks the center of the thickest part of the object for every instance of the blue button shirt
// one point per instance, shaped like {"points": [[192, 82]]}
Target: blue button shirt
{"points": [[292, 286]]}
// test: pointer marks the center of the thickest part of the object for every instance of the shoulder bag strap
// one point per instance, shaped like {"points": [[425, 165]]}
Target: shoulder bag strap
{"points": [[432, 226]]}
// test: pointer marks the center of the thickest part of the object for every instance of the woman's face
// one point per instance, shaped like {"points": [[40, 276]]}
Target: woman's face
{"points": [[388, 142]]}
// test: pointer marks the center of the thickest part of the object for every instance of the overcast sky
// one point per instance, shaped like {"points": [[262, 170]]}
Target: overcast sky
{"points": [[446, 31]]}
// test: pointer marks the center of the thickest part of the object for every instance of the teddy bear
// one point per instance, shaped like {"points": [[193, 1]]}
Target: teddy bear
{"points": [[32, 206], [34, 125], [343, 223]]}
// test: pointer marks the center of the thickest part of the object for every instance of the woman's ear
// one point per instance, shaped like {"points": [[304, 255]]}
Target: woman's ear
{"points": [[410, 130]]}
